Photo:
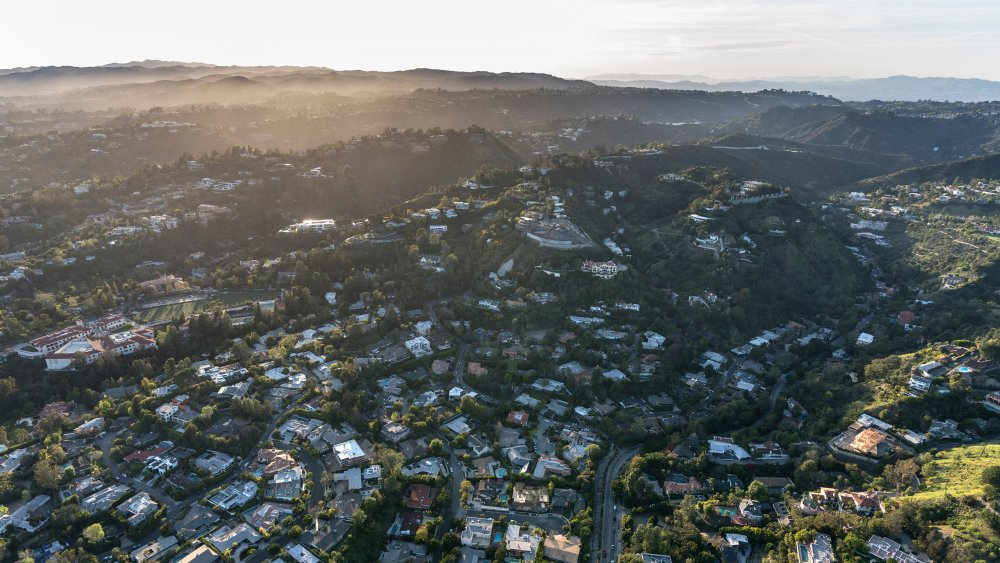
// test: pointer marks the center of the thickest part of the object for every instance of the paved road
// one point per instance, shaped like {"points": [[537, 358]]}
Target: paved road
{"points": [[316, 468], [455, 508], [778, 387], [607, 517]]}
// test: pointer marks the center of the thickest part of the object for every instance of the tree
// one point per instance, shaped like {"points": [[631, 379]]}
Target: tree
{"points": [[48, 475], [93, 533], [991, 476], [436, 446], [8, 388], [757, 491], [593, 452], [450, 541], [66, 516], [901, 473], [7, 487]]}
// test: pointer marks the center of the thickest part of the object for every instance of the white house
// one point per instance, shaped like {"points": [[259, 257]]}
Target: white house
{"points": [[167, 411], [419, 346]]}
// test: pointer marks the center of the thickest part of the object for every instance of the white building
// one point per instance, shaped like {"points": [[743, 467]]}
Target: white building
{"points": [[419, 347], [478, 532]]}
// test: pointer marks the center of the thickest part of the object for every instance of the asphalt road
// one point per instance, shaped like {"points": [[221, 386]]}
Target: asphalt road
{"points": [[455, 508], [607, 517]]}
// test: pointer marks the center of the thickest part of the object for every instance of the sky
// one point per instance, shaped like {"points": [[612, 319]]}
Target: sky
{"points": [[579, 38]]}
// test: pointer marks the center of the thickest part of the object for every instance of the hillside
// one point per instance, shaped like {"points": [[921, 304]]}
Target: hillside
{"points": [[927, 139], [987, 166]]}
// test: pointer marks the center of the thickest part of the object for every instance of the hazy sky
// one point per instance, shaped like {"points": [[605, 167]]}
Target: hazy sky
{"points": [[726, 39]]}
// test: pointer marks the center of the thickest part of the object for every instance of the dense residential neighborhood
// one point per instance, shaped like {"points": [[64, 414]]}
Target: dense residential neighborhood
{"points": [[692, 335]]}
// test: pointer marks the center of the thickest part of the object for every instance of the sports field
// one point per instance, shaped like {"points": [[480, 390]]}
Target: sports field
{"points": [[186, 304]]}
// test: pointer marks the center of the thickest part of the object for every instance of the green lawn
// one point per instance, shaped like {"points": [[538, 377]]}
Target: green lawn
{"points": [[957, 471]]}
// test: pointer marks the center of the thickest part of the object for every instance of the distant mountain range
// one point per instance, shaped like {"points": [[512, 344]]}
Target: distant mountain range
{"points": [[903, 88], [269, 80], [48, 80]]}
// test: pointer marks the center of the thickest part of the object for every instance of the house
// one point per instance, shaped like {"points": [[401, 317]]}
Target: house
{"points": [[736, 549], [31, 516], [137, 509], [233, 538], [520, 541], [865, 504], [154, 549], [302, 555], [164, 284], [200, 554], [679, 485], [167, 411], [603, 270], [395, 432], [533, 498], [723, 449], [350, 453], [889, 550], [286, 484], [420, 496], [527, 401], [820, 550], [872, 442], [518, 418], [550, 465], [478, 532], [235, 495], [653, 341], [615, 375], [931, 369], [214, 462], [752, 511], [405, 552], [561, 548], [90, 427], [769, 452], [440, 367], [104, 499], [419, 347], [265, 515], [864, 339]]}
